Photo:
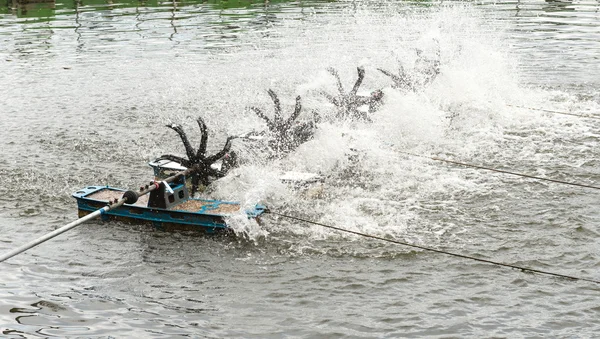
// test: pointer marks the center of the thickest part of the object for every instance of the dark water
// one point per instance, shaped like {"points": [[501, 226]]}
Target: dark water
{"points": [[87, 88]]}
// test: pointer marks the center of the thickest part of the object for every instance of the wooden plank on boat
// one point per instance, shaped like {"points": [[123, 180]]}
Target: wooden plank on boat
{"points": [[192, 205], [109, 195], [212, 207]]}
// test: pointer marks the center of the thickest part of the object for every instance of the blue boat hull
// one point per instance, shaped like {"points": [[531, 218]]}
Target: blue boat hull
{"points": [[193, 214]]}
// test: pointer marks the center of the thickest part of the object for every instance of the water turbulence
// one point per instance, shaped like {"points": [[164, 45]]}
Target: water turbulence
{"points": [[369, 183], [348, 90], [445, 77]]}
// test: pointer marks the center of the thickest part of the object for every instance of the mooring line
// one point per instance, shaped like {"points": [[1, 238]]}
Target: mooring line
{"points": [[500, 171], [557, 112], [524, 269]]}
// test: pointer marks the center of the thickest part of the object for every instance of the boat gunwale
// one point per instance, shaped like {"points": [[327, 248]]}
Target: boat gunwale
{"points": [[94, 189]]}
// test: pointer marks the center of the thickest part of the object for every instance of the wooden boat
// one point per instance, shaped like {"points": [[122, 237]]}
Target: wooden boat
{"points": [[168, 207]]}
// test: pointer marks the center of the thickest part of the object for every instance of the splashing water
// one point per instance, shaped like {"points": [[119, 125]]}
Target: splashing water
{"points": [[369, 184], [87, 94]]}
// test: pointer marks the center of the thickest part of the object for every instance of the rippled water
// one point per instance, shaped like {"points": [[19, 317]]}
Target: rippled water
{"points": [[88, 86]]}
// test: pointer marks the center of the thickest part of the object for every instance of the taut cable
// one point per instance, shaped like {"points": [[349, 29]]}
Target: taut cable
{"points": [[525, 269], [500, 171], [557, 112]]}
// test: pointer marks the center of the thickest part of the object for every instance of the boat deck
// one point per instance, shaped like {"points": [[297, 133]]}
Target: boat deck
{"points": [[108, 194], [207, 206], [192, 205]]}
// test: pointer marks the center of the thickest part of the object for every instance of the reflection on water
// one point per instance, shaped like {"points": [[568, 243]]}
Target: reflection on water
{"points": [[49, 8], [558, 6], [31, 8], [36, 26], [557, 39], [88, 87], [553, 37]]}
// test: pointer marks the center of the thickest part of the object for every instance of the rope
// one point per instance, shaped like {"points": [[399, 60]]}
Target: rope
{"points": [[557, 112], [500, 171], [524, 269]]}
